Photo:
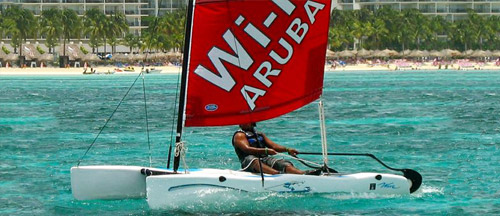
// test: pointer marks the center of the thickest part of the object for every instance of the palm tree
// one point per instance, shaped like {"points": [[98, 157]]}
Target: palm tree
{"points": [[71, 24], [438, 26], [494, 23], [131, 41], [117, 26], [402, 30], [7, 26], [379, 32], [24, 21], [418, 25], [51, 27], [173, 28], [481, 29], [150, 36], [340, 38], [361, 30], [95, 27], [392, 23]]}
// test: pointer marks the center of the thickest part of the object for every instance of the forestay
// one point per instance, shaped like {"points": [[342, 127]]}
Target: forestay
{"points": [[254, 60]]}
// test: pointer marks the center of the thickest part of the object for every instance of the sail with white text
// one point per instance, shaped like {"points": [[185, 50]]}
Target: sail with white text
{"points": [[254, 60]]}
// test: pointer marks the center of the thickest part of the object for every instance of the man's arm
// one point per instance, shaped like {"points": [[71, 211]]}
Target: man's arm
{"points": [[279, 148], [241, 142]]}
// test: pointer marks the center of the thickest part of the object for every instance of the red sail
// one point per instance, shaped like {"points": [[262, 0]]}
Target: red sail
{"points": [[252, 60]]}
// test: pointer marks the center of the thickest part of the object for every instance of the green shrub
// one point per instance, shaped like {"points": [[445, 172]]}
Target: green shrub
{"points": [[40, 50], [84, 51], [5, 50]]}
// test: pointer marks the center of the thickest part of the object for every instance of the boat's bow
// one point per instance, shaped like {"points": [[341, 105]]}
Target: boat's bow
{"points": [[414, 177]]}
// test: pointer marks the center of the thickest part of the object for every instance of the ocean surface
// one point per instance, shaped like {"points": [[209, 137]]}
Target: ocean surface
{"points": [[444, 124]]}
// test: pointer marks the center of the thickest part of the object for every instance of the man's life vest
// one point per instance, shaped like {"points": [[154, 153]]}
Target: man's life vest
{"points": [[252, 140]]}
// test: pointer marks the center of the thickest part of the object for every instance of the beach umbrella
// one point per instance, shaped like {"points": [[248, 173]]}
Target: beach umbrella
{"points": [[450, 52], [163, 56], [495, 53], [364, 53], [2, 55], [150, 56], [73, 52], [46, 57], [29, 51], [380, 53], [467, 53], [390, 52], [426, 53], [139, 57], [120, 57], [174, 54], [417, 53], [435, 53], [404, 53], [330, 54], [346, 53], [91, 58], [86, 57], [479, 54], [488, 53], [11, 57], [130, 57], [159, 56]]}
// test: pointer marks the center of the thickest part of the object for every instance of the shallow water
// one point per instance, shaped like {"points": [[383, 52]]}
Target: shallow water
{"points": [[443, 124]]}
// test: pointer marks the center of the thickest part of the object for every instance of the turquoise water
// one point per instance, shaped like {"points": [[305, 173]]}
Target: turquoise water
{"points": [[443, 124]]}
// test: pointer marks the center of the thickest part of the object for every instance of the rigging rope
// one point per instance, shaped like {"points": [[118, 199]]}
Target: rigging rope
{"points": [[147, 121], [180, 150], [300, 159], [107, 120], [173, 119]]}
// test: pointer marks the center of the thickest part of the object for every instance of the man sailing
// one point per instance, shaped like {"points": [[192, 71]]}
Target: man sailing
{"points": [[250, 145]]}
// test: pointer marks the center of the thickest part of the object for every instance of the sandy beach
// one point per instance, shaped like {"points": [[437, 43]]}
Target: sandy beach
{"points": [[78, 71], [414, 66], [176, 69]]}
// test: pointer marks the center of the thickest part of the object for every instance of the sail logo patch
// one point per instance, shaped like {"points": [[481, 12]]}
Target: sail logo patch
{"points": [[211, 107]]}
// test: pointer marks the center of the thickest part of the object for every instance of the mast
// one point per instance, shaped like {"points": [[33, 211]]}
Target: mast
{"points": [[182, 96]]}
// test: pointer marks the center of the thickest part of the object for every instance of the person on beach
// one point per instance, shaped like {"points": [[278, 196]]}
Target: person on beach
{"points": [[251, 145]]}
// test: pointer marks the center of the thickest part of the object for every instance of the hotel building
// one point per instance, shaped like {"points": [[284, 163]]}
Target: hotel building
{"points": [[134, 10], [450, 9]]}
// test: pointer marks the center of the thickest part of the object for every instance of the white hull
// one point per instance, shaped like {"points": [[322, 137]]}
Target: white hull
{"points": [[168, 190], [122, 182], [107, 182]]}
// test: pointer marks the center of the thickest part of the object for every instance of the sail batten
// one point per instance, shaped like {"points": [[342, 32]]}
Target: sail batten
{"points": [[254, 60]]}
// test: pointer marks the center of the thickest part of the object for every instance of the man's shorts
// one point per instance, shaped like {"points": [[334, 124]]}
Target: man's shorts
{"points": [[277, 164]]}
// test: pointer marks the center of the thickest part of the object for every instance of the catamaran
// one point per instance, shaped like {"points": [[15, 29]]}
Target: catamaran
{"points": [[244, 61]]}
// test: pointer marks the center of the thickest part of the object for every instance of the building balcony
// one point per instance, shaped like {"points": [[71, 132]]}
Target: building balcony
{"points": [[458, 10], [111, 12], [427, 10], [94, 1], [482, 8], [114, 1], [134, 24], [30, 1], [131, 12], [51, 1]]}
